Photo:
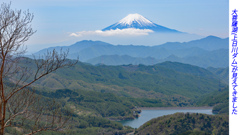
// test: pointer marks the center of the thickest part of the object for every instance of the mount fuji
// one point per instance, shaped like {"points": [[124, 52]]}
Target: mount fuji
{"points": [[137, 21]]}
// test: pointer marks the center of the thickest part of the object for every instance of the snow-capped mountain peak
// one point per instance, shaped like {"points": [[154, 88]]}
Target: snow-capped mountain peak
{"points": [[128, 20], [137, 21]]}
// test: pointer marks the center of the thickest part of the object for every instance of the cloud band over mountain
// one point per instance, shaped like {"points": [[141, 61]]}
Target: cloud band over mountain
{"points": [[116, 32], [131, 25]]}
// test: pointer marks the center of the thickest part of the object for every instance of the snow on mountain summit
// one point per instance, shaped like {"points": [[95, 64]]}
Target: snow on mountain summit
{"points": [[137, 21], [128, 20]]}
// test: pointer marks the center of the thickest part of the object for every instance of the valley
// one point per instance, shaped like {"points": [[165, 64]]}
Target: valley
{"points": [[119, 81], [98, 94]]}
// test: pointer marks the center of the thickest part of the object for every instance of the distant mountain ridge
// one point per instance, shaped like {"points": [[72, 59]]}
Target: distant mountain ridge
{"points": [[210, 51]]}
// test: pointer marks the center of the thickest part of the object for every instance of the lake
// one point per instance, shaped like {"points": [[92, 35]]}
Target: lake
{"points": [[148, 114]]}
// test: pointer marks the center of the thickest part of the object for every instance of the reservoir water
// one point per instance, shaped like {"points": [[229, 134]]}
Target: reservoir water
{"points": [[147, 115]]}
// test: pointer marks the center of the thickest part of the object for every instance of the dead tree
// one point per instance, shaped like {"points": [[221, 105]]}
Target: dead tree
{"points": [[15, 79]]}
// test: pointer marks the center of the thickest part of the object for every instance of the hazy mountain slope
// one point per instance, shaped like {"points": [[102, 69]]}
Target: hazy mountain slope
{"points": [[216, 58], [193, 56], [122, 60], [222, 73], [210, 51], [76, 48], [209, 43]]}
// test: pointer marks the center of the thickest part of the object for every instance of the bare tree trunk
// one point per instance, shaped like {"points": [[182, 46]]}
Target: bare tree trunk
{"points": [[2, 115]]}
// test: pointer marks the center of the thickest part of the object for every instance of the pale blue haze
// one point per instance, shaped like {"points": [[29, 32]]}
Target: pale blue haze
{"points": [[55, 20]]}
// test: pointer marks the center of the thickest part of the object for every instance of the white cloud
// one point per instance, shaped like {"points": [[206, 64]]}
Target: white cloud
{"points": [[117, 32]]}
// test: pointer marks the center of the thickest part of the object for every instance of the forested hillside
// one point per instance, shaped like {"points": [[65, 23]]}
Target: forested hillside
{"points": [[186, 124], [219, 99], [168, 78]]}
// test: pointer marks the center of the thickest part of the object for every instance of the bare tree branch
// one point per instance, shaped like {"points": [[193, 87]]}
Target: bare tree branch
{"points": [[16, 100]]}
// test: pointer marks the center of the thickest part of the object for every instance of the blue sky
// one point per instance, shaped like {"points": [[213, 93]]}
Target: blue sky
{"points": [[55, 20]]}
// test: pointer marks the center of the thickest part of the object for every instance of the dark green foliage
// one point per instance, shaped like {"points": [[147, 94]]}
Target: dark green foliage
{"points": [[222, 108], [105, 104], [81, 124], [186, 124], [60, 94], [185, 68], [214, 98], [219, 99], [195, 133], [122, 60]]}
